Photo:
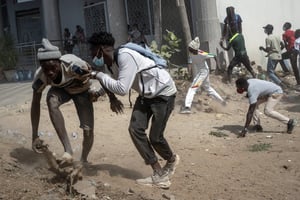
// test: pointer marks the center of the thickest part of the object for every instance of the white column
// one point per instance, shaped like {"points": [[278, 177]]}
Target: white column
{"points": [[50, 10]]}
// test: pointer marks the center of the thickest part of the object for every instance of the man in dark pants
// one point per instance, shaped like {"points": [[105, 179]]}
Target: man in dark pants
{"points": [[288, 38], [237, 42], [155, 102], [68, 76]]}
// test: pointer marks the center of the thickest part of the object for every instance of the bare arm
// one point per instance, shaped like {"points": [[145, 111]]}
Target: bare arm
{"points": [[35, 113], [224, 31], [223, 47], [249, 116]]}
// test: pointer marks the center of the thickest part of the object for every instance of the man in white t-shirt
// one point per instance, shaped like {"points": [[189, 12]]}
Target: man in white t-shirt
{"points": [[273, 50], [258, 92]]}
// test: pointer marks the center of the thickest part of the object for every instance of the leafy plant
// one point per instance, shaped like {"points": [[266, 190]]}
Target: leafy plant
{"points": [[8, 53], [181, 73], [170, 46], [260, 147]]}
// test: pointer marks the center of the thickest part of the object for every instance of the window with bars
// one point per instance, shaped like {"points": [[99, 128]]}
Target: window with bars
{"points": [[140, 13], [95, 16]]}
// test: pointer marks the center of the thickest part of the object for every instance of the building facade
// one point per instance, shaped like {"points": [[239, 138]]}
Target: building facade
{"points": [[31, 20]]}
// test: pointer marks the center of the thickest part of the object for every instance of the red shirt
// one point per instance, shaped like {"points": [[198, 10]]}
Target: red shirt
{"points": [[289, 37]]}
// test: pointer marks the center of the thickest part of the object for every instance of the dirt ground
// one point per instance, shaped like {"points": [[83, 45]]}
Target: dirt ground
{"points": [[215, 164]]}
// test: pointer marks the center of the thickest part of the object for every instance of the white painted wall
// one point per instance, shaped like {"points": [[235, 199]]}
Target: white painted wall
{"points": [[256, 14]]}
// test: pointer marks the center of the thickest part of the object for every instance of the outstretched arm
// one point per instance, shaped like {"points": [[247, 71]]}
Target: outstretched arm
{"points": [[264, 49], [223, 47], [224, 31], [249, 116], [115, 104], [35, 120]]}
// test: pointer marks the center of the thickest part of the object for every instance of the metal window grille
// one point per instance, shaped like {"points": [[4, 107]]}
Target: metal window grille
{"points": [[95, 18]]}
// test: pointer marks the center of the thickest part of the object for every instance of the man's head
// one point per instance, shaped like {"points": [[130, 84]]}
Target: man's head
{"points": [[297, 33], [194, 46], [241, 85], [102, 47], [230, 11], [49, 56], [287, 26], [268, 29]]}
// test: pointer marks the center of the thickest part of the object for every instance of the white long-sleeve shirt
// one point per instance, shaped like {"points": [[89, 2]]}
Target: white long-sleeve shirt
{"points": [[155, 81]]}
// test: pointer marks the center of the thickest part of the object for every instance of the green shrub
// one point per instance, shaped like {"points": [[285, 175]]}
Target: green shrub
{"points": [[8, 53], [260, 147], [170, 45]]}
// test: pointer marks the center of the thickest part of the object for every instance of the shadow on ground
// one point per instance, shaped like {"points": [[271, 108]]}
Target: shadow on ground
{"points": [[113, 170]]}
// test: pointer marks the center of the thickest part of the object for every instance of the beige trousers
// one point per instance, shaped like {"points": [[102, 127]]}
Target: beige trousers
{"points": [[269, 111]]}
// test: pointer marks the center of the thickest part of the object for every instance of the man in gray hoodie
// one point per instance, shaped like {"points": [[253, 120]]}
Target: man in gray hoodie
{"points": [[155, 102]]}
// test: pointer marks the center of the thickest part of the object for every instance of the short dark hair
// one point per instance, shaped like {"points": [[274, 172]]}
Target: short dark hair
{"points": [[268, 28], [297, 33], [287, 25], [101, 38], [241, 83]]}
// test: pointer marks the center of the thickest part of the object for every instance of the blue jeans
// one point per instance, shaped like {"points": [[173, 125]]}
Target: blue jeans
{"points": [[271, 71]]}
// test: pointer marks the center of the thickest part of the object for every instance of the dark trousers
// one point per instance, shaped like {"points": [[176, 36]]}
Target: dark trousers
{"points": [[292, 55], [158, 110], [244, 59]]}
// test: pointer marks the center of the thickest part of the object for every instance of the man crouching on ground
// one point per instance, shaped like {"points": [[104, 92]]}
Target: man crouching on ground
{"points": [[69, 79], [258, 92]]}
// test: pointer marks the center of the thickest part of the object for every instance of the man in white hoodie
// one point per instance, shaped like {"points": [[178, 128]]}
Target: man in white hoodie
{"points": [[155, 102], [200, 70]]}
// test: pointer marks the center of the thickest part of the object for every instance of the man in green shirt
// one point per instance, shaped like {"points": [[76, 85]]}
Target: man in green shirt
{"points": [[237, 42]]}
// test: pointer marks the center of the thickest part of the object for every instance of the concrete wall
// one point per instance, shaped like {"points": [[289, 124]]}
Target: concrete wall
{"points": [[256, 14], [117, 21]]}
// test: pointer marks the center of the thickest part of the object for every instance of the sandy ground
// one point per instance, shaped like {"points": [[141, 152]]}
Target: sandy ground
{"points": [[215, 164]]}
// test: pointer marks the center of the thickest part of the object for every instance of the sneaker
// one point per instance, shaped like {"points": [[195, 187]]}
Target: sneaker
{"points": [[224, 103], [161, 181], [185, 110], [170, 167], [258, 128], [283, 86], [290, 126]]}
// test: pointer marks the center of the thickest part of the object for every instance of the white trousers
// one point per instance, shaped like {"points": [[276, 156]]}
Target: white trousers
{"points": [[201, 81]]}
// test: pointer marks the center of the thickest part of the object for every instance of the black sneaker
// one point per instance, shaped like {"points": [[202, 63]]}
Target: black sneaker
{"points": [[258, 128], [290, 126]]}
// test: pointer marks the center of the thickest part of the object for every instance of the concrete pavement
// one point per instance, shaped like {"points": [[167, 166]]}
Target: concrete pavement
{"points": [[15, 93]]}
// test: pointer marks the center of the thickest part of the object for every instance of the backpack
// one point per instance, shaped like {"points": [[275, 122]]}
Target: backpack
{"points": [[159, 61]]}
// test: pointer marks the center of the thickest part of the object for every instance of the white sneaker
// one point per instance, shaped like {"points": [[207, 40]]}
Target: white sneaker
{"points": [[161, 181], [224, 103], [170, 167]]}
